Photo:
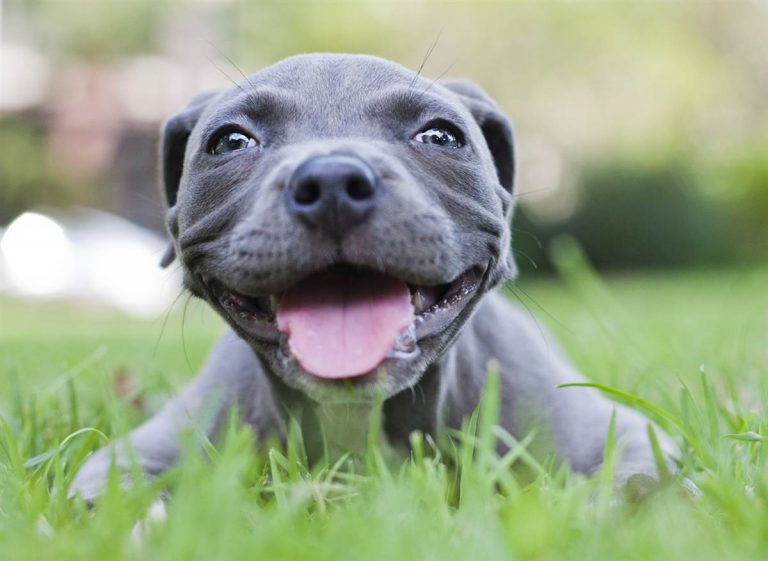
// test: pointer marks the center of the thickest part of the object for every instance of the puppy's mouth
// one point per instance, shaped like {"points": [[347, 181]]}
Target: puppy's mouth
{"points": [[344, 322]]}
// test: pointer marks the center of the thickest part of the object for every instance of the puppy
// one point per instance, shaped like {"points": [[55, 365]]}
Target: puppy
{"points": [[350, 220]]}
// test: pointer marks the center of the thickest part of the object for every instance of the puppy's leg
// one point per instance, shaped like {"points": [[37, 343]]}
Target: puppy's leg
{"points": [[231, 376], [571, 422], [582, 418]]}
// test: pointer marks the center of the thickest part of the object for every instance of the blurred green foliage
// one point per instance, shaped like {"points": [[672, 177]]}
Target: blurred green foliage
{"points": [[635, 215], [99, 30], [656, 111], [743, 184], [27, 177], [645, 216], [271, 30]]}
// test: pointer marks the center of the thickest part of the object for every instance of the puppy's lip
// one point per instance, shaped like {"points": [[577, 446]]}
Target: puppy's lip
{"points": [[256, 315], [435, 308], [445, 301]]}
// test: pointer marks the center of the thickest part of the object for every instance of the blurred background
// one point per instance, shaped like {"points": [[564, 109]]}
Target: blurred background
{"points": [[642, 128]]}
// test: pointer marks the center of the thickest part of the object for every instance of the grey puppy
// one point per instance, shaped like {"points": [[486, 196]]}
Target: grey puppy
{"points": [[349, 220]]}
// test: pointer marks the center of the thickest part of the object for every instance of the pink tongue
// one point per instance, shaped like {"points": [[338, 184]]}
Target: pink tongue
{"points": [[342, 323]]}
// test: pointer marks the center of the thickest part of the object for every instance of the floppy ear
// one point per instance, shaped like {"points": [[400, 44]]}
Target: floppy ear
{"points": [[173, 146], [499, 137], [495, 126]]}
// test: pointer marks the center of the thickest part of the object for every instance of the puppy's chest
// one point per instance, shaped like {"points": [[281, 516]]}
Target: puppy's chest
{"points": [[347, 429]]}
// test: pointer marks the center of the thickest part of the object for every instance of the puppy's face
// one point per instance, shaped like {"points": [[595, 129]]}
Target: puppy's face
{"points": [[343, 215]]}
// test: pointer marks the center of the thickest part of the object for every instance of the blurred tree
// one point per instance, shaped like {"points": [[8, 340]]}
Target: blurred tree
{"points": [[263, 32], [27, 178], [743, 187], [647, 216], [97, 30], [631, 215]]}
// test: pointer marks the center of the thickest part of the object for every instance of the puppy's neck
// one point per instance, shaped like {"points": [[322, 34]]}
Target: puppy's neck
{"points": [[347, 427]]}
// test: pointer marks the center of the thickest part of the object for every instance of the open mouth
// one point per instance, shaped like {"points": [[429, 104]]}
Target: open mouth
{"points": [[343, 322]]}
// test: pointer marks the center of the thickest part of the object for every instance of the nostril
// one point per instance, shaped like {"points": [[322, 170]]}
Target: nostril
{"points": [[359, 188], [307, 193], [332, 192]]}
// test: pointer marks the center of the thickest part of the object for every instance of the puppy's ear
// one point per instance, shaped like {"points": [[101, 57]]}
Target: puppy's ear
{"points": [[173, 145], [499, 137], [496, 128]]}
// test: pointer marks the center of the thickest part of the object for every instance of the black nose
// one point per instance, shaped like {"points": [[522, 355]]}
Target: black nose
{"points": [[332, 192]]}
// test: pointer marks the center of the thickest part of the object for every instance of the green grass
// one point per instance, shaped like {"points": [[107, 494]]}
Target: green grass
{"points": [[694, 346]]}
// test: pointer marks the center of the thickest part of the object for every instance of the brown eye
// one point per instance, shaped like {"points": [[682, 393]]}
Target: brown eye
{"points": [[232, 142], [439, 136]]}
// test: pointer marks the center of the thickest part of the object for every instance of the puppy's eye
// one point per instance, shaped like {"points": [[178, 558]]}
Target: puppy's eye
{"points": [[440, 135], [231, 142]]}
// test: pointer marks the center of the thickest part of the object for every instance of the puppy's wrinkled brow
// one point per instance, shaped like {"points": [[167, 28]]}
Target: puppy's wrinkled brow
{"points": [[409, 105], [263, 105]]}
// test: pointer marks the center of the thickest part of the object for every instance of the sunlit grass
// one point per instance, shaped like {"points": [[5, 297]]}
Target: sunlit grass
{"points": [[689, 350]]}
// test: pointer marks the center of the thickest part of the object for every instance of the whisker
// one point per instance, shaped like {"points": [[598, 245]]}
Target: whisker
{"points": [[531, 235], [543, 309], [516, 195], [439, 76], [184, 335], [144, 198], [167, 315], [526, 257], [544, 337], [235, 66], [430, 50], [227, 76], [423, 395], [413, 395]]}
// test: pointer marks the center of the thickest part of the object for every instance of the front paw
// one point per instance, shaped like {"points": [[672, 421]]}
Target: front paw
{"points": [[91, 479]]}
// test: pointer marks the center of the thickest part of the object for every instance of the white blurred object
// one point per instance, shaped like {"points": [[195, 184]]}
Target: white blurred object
{"points": [[87, 255], [24, 77], [2, 264], [38, 257], [149, 88]]}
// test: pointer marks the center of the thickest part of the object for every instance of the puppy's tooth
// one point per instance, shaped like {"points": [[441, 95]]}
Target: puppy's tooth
{"points": [[274, 301], [417, 300]]}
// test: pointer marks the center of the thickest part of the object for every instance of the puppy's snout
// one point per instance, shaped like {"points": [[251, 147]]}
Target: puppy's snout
{"points": [[333, 193]]}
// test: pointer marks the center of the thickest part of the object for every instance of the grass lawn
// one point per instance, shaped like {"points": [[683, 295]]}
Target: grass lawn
{"points": [[693, 345]]}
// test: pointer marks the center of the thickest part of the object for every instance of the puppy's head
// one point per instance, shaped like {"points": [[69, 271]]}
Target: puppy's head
{"points": [[343, 215]]}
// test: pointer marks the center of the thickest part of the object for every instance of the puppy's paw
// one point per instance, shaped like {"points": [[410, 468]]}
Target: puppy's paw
{"points": [[635, 481], [92, 477], [637, 487], [155, 516]]}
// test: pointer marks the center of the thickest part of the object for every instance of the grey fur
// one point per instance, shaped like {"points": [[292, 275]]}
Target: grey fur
{"points": [[443, 212]]}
